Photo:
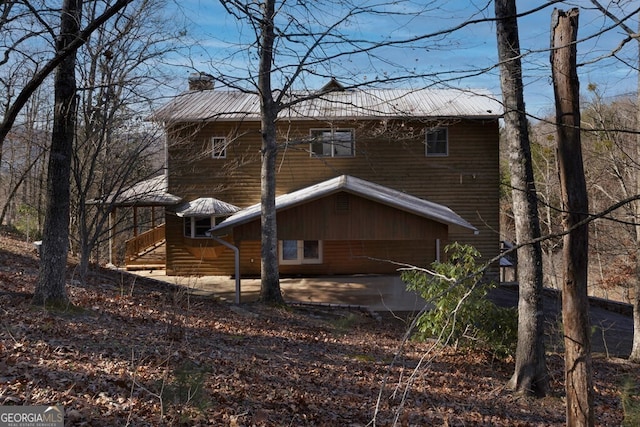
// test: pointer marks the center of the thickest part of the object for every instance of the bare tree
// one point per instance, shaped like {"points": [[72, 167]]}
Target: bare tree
{"points": [[575, 302], [270, 289], [530, 374], [51, 286], [545, 168], [611, 166], [635, 351], [29, 23], [45, 63], [24, 168], [115, 147]]}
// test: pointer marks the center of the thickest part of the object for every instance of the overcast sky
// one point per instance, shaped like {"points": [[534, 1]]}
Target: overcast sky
{"points": [[457, 57]]}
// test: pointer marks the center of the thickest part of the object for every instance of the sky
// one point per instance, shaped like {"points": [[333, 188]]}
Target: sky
{"points": [[466, 58]]}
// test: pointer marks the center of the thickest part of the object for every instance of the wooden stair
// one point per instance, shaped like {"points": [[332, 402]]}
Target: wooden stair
{"points": [[152, 259], [147, 251]]}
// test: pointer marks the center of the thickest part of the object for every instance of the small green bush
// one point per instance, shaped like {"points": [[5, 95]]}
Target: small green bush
{"points": [[27, 223], [462, 314], [630, 403], [187, 386]]}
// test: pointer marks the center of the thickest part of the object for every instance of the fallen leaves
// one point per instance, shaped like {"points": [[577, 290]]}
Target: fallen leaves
{"points": [[145, 354]]}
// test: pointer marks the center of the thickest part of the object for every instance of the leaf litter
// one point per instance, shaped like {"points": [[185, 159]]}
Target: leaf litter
{"points": [[137, 352]]}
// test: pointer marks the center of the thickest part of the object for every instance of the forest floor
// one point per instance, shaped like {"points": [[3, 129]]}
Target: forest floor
{"points": [[136, 352]]}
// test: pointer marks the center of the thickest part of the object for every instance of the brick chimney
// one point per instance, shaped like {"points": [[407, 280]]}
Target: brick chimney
{"points": [[200, 81]]}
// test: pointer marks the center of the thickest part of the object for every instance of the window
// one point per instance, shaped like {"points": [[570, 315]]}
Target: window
{"points": [[300, 252], [218, 147], [199, 227], [332, 143], [437, 142]]}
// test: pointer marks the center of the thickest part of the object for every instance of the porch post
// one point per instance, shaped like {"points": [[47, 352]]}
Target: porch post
{"points": [[112, 221], [135, 221]]}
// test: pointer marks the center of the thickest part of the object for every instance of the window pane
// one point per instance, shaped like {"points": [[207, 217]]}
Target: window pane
{"points": [[218, 147], [332, 143], [311, 249], [203, 225], [317, 148], [437, 144], [317, 144], [289, 250], [343, 143]]}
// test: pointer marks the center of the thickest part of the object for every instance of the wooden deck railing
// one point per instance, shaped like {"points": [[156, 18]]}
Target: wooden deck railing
{"points": [[146, 240]]}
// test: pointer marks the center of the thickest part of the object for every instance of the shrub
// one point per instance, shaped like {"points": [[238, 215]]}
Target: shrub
{"points": [[27, 223], [630, 403], [461, 313]]}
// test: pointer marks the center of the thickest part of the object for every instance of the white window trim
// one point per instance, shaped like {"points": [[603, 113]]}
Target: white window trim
{"points": [[332, 141], [426, 144], [216, 142], [300, 260]]}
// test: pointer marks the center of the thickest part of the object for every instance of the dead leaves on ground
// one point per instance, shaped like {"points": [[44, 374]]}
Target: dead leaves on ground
{"points": [[140, 354]]}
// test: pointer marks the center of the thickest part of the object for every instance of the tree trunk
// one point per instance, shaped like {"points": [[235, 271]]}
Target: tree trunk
{"points": [[575, 301], [530, 375], [51, 285], [270, 280], [635, 349]]}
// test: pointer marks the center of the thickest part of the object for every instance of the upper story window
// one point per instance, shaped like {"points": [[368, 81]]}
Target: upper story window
{"points": [[332, 142], [218, 147], [437, 142]]}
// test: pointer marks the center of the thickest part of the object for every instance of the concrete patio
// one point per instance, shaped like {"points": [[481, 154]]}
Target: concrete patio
{"points": [[374, 292]]}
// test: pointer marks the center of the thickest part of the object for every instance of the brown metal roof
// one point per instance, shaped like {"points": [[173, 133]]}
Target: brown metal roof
{"points": [[214, 105]]}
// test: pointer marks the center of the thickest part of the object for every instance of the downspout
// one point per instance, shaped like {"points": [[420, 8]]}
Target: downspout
{"points": [[236, 252]]}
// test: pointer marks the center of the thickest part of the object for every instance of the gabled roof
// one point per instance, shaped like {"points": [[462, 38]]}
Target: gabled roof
{"points": [[359, 187], [205, 206], [330, 103], [150, 192]]}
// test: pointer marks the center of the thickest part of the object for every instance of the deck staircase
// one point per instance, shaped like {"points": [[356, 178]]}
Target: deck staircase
{"points": [[147, 251]]}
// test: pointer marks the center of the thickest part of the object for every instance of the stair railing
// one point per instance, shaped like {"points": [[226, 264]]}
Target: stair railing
{"points": [[144, 241]]}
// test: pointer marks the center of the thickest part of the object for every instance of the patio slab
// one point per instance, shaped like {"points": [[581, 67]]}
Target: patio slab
{"points": [[374, 292]]}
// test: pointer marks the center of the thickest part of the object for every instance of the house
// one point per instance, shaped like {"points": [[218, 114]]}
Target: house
{"points": [[367, 180]]}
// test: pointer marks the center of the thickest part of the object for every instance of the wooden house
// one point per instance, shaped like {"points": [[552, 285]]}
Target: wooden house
{"points": [[367, 180]]}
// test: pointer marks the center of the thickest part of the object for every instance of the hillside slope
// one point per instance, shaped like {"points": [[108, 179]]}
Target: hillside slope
{"points": [[136, 352]]}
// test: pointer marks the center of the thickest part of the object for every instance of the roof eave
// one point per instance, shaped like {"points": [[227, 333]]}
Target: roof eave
{"points": [[348, 184]]}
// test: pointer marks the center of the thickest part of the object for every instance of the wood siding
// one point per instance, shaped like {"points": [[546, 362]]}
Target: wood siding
{"points": [[365, 220], [387, 153], [339, 257]]}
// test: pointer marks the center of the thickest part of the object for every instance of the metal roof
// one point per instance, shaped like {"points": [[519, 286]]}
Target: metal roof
{"points": [[205, 206], [215, 105], [359, 187], [150, 192]]}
